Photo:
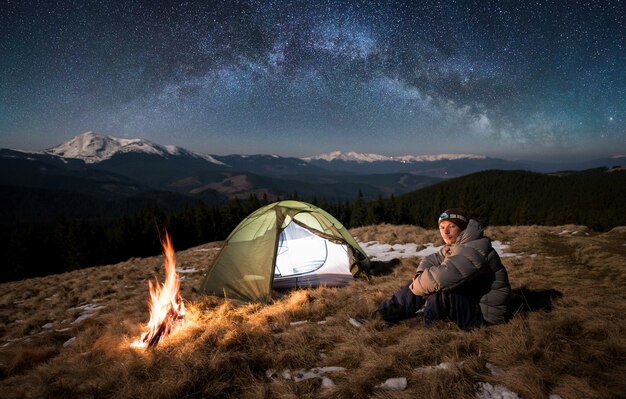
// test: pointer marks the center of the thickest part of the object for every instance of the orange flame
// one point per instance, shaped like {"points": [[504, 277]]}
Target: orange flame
{"points": [[167, 310]]}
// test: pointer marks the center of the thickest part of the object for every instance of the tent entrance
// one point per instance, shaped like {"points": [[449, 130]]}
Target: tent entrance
{"points": [[305, 259]]}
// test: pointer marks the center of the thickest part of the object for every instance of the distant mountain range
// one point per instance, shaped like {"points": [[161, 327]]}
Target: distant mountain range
{"points": [[446, 165], [112, 170], [93, 148]]}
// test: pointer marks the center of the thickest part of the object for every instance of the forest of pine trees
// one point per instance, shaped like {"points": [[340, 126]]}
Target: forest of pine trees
{"points": [[594, 198]]}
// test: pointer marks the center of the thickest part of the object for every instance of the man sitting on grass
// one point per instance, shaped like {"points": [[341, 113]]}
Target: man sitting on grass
{"points": [[464, 282]]}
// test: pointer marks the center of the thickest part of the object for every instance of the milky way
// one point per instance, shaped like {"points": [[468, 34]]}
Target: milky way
{"points": [[297, 78]]}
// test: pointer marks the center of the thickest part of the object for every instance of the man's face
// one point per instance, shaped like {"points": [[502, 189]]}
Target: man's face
{"points": [[449, 231]]}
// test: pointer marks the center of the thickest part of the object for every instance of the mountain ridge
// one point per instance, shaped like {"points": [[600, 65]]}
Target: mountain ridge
{"points": [[92, 147], [97, 164], [367, 157], [95, 148]]}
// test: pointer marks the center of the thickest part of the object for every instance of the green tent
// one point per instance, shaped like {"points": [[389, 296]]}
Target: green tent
{"points": [[284, 245]]}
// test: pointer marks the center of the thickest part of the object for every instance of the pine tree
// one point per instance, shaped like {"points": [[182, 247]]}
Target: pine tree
{"points": [[358, 215]]}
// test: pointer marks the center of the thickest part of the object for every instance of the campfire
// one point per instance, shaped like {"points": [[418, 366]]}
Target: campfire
{"points": [[167, 311]]}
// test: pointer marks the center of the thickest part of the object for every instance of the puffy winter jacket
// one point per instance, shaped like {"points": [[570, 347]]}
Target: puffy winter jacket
{"points": [[471, 266]]}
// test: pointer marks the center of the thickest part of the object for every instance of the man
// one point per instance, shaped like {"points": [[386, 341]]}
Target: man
{"points": [[464, 282]]}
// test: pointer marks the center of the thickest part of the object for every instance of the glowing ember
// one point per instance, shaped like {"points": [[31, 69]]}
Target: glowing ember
{"points": [[167, 310]]}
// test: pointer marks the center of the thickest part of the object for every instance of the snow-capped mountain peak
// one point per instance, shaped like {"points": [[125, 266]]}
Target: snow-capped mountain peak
{"points": [[92, 147], [437, 157], [348, 156], [364, 157]]}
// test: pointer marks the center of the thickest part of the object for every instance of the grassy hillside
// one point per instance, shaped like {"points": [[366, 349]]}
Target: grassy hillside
{"points": [[68, 335]]}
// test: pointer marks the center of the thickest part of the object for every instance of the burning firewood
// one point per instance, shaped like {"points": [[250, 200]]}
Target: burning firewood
{"points": [[167, 310]]}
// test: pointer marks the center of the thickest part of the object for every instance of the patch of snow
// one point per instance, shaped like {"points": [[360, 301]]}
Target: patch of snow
{"points": [[327, 383], [316, 372], [69, 342], [302, 374], [429, 250], [501, 248], [488, 391], [82, 317], [180, 270], [393, 384], [297, 323], [495, 370], [355, 322], [47, 326], [88, 310], [386, 252], [89, 307], [321, 322], [440, 366]]}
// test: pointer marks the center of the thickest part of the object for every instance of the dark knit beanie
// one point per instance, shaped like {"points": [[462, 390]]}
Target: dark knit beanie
{"points": [[456, 216]]}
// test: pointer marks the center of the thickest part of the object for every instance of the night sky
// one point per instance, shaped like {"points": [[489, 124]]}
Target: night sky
{"points": [[515, 79]]}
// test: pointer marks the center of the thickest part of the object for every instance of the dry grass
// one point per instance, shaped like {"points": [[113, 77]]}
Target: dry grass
{"points": [[576, 350]]}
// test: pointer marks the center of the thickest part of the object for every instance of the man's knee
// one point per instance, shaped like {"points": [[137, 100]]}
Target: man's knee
{"points": [[458, 307], [402, 305]]}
